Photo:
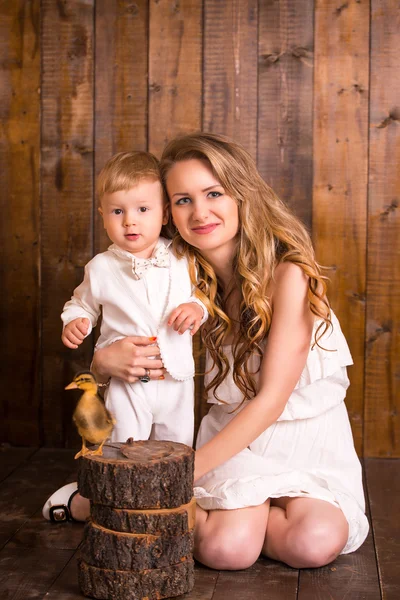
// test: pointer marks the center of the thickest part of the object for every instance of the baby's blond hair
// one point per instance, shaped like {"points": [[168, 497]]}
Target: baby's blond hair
{"points": [[125, 169]]}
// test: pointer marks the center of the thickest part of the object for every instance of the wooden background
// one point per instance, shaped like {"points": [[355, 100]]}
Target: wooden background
{"points": [[311, 89]]}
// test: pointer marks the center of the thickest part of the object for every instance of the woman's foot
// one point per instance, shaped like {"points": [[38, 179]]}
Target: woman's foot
{"points": [[66, 505]]}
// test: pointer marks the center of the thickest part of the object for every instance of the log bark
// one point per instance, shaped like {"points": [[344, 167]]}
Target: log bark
{"points": [[152, 474], [133, 551], [151, 584], [164, 521]]}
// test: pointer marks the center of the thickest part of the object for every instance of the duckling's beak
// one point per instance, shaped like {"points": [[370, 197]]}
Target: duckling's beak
{"points": [[71, 386]]}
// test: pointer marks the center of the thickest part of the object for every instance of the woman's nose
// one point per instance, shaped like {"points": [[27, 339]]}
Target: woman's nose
{"points": [[200, 211]]}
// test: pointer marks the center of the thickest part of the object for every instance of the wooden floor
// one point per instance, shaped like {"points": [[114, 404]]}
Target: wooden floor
{"points": [[38, 559]]}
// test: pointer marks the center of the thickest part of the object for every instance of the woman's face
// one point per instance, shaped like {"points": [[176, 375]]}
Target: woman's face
{"points": [[205, 215]]}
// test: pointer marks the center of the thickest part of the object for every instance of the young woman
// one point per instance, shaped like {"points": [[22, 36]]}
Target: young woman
{"points": [[276, 471]]}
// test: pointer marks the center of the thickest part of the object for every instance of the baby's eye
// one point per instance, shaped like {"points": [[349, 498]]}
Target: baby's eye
{"points": [[182, 201], [143, 209], [117, 211]]}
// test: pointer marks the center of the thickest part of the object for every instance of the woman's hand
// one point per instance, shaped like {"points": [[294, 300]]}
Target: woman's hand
{"points": [[128, 359]]}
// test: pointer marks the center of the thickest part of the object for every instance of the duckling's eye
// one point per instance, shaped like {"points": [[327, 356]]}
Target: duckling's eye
{"points": [[117, 211]]}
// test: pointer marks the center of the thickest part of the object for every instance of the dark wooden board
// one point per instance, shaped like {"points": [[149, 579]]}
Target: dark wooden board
{"points": [[265, 579], [65, 586], [20, 223], [67, 191], [341, 79], [25, 491], [382, 373], [121, 74], [230, 70], [383, 482], [26, 573], [349, 576], [285, 101], [11, 458], [175, 77]]}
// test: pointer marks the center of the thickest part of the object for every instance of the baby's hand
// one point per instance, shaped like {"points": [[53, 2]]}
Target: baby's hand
{"points": [[74, 333], [186, 316]]}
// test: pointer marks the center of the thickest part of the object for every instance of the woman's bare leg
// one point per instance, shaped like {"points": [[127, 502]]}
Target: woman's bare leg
{"points": [[305, 532], [230, 539], [80, 508]]}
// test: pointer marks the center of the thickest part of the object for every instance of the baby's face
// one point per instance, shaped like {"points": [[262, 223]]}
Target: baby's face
{"points": [[133, 218]]}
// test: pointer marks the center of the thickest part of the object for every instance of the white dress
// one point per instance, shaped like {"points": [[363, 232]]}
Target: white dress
{"points": [[308, 451]]}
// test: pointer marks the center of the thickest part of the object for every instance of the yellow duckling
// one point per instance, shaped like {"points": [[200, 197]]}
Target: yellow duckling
{"points": [[93, 421]]}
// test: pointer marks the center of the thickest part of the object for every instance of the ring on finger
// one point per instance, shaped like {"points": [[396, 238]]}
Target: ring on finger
{"points": [[146, 377]]}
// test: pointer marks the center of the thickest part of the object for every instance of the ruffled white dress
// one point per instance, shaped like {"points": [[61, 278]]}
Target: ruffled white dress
{"points": [[308, 452]]}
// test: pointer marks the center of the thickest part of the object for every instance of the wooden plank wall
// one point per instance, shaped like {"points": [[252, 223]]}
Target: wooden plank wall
{"points": [[302, 84]]}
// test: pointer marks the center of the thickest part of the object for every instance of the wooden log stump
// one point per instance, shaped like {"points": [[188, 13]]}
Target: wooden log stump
{"points": [[151, 584], [145, 474], [138, 544], [128, 551], [163, 521]]}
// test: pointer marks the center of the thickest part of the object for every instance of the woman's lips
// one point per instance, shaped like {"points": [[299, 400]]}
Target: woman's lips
{"points": [[205, 228]]}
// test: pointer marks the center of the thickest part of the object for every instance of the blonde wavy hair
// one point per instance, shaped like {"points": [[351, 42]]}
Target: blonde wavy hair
{"points": [[269, 234]]}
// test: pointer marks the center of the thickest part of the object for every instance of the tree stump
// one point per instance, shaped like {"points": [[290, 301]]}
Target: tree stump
{"points": [[138, 543]]}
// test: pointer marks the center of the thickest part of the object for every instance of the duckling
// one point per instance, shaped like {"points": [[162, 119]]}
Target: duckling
{"points": [[93, 421]]}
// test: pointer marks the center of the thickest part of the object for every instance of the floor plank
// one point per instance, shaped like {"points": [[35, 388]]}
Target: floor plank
{"points": [[349, 576], [265, 579], [11, 458], [23, 493], [383, 481], [26, 574]]}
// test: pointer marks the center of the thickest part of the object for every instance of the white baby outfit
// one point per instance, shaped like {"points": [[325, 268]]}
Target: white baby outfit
{"points": [[141, 306], [308, 452]]}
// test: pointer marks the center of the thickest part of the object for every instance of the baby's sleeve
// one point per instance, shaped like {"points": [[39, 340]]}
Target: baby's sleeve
{"points": [[84, 302], [200, 303]]}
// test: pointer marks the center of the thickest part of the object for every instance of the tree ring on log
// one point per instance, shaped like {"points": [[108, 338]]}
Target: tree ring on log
{"points": [[151, 584], [161, 521], [154, 474]]}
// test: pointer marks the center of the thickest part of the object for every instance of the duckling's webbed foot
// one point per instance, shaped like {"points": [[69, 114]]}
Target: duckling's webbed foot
{"points": [[84, 450], [99, 451]]}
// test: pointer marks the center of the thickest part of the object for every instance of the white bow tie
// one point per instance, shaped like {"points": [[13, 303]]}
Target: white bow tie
{"points": [[160, 258]]}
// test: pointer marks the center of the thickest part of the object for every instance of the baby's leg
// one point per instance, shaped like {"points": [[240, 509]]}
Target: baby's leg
{"points": [[230, 539], [128, 403], [173, 411], [305, 532]]}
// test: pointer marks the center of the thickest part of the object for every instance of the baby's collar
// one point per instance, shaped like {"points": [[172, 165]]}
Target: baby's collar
{"points": [[125, 254]]}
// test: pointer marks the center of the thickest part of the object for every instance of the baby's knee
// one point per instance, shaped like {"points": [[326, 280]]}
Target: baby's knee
{"points": [[315, 544], [226, 550]]}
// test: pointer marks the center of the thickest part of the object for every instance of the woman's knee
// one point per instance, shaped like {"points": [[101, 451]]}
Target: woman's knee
{"points": [[314, 543], [226, 550]]}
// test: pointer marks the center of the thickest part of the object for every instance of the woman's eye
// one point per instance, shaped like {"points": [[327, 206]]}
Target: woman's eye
{"points": [[143, 209], [117, 211], [214, 194], [182, 201]]}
